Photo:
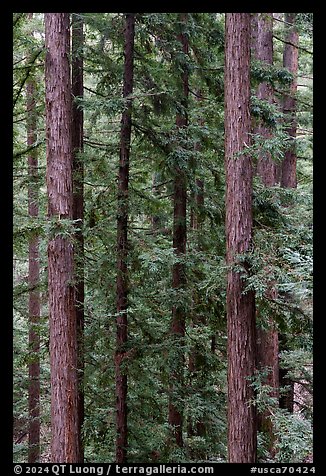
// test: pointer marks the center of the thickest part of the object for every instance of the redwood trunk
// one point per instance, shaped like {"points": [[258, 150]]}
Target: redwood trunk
{"points": [[78, 205], [289, 164], [267, 169], [122, 246], [33, 275], [290, 61], [62, 311], [179, 270], [242, 439]]}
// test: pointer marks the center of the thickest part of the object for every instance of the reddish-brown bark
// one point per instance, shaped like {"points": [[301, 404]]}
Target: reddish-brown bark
{"points": [[122, 246], [289, 164], [33, 277], [266, 166], [290, 61], [267, 357], [78, 203], [267, 169], [175, 417], [242, 438], [62, 311]]}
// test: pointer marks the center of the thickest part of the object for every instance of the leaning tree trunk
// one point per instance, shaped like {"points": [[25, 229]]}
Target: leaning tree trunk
{"points": [[122, 246], [179, 271], [78, 204], [240, 306], [62, 312], [33, 277], [289, 164], [267, 169]]}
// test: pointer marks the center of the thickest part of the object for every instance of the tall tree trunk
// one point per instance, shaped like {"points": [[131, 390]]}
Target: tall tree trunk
{"points": [[122, 246], [78, 205], [196, 357], [196, 222], [266, 167], [289, 164], [267, 340], [290, 61], [62, 310], [33, 276], [179, 271], [242, 438]]}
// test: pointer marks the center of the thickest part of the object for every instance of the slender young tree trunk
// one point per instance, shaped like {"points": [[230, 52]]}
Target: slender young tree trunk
{"points": [[290, 61], [78, 205], [196, 357], [33, 276], [62, 308], [196, 223], [242, 438], [122, 246], [179, 271], [267, 340]]}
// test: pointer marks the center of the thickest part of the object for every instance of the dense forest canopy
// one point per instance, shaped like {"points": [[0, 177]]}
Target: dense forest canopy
{"points": [[162, 167]]}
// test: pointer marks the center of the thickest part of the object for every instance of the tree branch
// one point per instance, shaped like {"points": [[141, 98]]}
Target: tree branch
{"points": [[29, 67], [25, 151], [292, 44]]}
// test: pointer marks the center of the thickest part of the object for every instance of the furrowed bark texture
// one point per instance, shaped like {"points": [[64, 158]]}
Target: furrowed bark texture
{"points": [[267, 169], [122, 247], [290, 61], [267, 357], [175, 417], [33, 277], [78, 205], [240, 307], [253, 34], [62, 312], [266, 166]]}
